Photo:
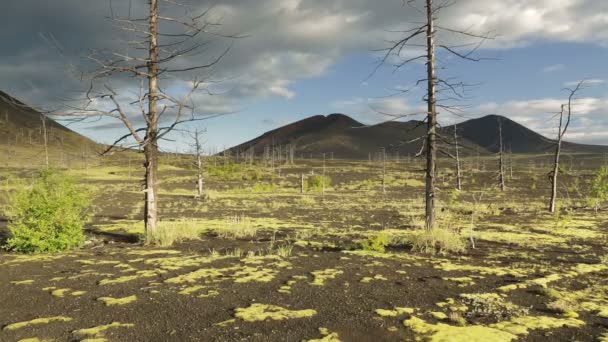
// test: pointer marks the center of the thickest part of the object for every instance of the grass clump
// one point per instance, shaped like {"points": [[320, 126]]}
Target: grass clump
{"points": [[237, 227], [439, 240], [49, 215], [376, 243], [317, 183], [170, 232], [261, 312]]}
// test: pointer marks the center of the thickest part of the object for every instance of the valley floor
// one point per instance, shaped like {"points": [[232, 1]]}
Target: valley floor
{"points": [[272, 264]]}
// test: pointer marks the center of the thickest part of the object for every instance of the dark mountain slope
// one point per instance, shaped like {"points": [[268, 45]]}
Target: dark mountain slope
{"points": [[21, 125]]}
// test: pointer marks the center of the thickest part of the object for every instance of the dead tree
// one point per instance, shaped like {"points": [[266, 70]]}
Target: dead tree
{"points": [[45, 140], [411, 39], [152, 57], [566, 111], [383, 170], [197, 138], [457, 159], [501, 161]]}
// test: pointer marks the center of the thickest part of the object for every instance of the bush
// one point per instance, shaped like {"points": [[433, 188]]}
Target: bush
{"points": [[439, 240], [315, 183], [376, 243], [49, 215], [599, 188]]}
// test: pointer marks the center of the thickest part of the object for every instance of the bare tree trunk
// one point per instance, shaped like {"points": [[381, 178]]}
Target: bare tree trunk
{"points": [[501, 166], [151, 141], [555, 171], [199, 163], [45, 139], [383, 170], [431, 152], [458, 174], [323, 178]]}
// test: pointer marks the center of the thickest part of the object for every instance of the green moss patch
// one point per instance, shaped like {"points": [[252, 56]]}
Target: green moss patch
{"points": [[109, 301], [261, 312], [37, 321], [99, 331]]}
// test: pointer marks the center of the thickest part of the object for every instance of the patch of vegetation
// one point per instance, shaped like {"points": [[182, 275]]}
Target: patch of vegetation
{"points": [[170, 232], [261, 312], [395, 312], [237, 227], [444, 332], [323, 275], [599, 188], [491, 305], [439, 240], [109, 301], [99, 331], [376, 243], [328, 336], [37, 321], [49, 215], [317, 183]]}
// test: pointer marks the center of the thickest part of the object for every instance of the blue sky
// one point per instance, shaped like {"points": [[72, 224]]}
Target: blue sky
{"points": [[537, 71], [309, 57]]}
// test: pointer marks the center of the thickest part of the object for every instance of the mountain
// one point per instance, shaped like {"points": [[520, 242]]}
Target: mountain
{"points": [[21, 125], [344, 137], [484, 132]]}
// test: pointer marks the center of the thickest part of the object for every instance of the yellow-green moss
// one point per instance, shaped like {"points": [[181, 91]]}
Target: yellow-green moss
{"points": [[438, 315], [443, 332], [36, 321], [328, 336], [521, 325], [60, 292], [191, 289], [322, 275], [394, 313], [109, 301], [370, 279], [98, 331], [261, 312]]}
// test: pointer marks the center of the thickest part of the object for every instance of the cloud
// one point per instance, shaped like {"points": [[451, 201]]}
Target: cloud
{"points": [[553, 68], [288, 40], [541, 115], [380, 109], [586, 82]]}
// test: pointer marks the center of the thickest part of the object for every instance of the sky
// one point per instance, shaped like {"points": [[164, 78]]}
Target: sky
{"points": [[296, 58]]}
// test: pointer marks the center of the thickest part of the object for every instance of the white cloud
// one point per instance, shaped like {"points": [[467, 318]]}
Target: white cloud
{"points": [[554, 68], [585, 82], [588, 117]]}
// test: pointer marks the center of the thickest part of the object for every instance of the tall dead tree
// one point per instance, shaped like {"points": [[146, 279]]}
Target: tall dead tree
{"points": [[566, 111], [501, 160], [457, 159], [160, 42], [197, 138], [412, 39]]}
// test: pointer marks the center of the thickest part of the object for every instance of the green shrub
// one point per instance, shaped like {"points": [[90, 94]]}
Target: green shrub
{"points": [[315, 183], [376, 243], [599, 188], [49, 215]]}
